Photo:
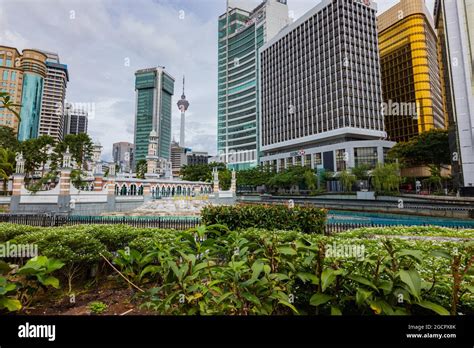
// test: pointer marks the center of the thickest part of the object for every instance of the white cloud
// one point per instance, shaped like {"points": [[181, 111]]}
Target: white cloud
{"points": [[96, 38]]}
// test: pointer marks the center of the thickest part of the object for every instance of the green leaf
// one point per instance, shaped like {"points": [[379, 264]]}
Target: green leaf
{"points": [[433, 306], [175, 269], [327, 278], [335, 311], [363, 280], [413, 280], [289, 305], [252, 298], [440, 253], [362, 295], [153, 269], [49, 281], [4, 267], [319, 299], [53, 265], [386, 285], [287, 250], [308, 277], [417, 254], [203, 265], [257, 268], [10, 304]]}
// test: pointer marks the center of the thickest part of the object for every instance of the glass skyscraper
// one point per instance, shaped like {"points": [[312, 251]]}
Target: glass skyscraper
{"points": [[241, 34], [154, 91], [410, 71], [33, 64]]}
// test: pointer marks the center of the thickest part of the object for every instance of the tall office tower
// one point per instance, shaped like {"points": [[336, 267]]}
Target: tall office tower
{"points": [[54, 94], [320, 90], [410, 71], [11, 81], [75, 120], [33, 64], [154, 90], [123, 155], [455, 25], [241, 34]]}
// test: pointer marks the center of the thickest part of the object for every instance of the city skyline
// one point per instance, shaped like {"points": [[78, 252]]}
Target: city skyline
{"points": [[104, 44]]}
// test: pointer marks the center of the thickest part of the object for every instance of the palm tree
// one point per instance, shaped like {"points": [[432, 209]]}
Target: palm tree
{"points": [[7, 166]]}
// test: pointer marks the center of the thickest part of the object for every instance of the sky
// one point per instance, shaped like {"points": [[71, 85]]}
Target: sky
{"points": [[103, 43]]}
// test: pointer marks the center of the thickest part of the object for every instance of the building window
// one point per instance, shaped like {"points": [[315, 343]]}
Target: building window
{"points": [[298, 161], [282, 164], [340, 160], [366, 156], [289, 162], [318, 160], [307, 161]]}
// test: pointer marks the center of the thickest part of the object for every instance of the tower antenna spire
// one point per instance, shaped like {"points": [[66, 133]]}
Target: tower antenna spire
{"points": [[183, 83]]}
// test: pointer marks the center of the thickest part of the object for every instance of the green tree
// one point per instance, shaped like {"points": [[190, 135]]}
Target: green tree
{"points": [[6, 103], [361, 172], [8, 139], [80, 146], [303, 177], [386, 178], [428, 148], [347, 180], [36, 153], [7, 166], [141, 168], [254, 177], [225, 178], [200, 172]]}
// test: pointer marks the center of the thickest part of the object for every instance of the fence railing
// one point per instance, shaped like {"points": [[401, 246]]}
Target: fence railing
{"points": [[178, 223], [337, 227], [59, 220]]}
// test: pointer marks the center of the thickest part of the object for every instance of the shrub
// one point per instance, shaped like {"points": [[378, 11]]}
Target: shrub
{"points": [[9, 231], [271, 217], [255, 271], [18, 288], [97, 307]]}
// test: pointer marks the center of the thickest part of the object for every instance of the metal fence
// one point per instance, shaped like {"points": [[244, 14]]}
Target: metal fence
{"points": [[177, 223], [336, 227]]}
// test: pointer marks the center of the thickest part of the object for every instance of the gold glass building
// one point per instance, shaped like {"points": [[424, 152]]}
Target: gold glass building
{"points": [[11, 81], [410, 71]]}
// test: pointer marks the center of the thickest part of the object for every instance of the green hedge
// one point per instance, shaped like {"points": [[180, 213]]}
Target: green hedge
{"points": [[270, 217]]}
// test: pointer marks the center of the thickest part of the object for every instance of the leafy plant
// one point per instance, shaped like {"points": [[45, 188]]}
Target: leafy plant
{"points": [[18, 288], [271, 217], [97, 307]]}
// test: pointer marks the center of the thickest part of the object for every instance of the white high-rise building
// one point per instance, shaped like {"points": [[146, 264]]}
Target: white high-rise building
{"points": [[455, 23], [54, 95], [320, 90]]}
